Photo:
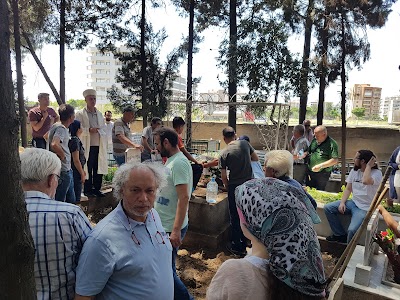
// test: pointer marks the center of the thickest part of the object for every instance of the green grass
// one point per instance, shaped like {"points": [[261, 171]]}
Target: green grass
{"points": [[324, 197], [394, 209]]}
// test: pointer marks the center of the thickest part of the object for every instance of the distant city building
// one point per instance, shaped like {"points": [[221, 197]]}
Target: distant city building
{"points": [[366, 96], [103, 68], [389, 104], [393, 113]]}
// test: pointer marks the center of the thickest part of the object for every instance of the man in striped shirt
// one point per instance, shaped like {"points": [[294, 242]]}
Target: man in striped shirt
{"points": [[58, 229]]}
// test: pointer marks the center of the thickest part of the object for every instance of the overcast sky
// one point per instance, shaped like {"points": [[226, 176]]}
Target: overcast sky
{"points": [[382, 70]]}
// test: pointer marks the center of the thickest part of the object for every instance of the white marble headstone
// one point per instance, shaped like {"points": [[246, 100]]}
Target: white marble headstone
{"points": [[133, 155], [370, 245]]}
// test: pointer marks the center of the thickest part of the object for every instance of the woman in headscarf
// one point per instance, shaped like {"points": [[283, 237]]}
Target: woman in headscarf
{"points": [[286, 261]]}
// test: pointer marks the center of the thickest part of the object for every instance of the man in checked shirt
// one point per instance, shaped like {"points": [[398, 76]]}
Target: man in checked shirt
{"points": [[58, 229]]}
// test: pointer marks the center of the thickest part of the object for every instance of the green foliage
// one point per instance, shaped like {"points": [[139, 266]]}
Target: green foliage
{"points": [[110, 175], [393, 209], [77, 103], [312, 111], [159, 75], [119, 99], [359, 112], [325, 197]]}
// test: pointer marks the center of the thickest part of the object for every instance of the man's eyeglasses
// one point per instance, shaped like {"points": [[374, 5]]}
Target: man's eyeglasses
{"points": [[59, 179], [158, 236]]}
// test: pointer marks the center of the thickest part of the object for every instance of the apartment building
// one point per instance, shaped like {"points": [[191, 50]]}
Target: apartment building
{"points": [[389, 104], [103, 67], [366, 96]]}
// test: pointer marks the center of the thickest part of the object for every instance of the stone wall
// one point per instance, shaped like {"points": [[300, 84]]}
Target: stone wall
{"points": [[382, 141]]}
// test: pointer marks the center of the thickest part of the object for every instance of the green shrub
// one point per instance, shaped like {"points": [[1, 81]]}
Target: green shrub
{"points": [[325, 197], [110, 175], [394, 209]]}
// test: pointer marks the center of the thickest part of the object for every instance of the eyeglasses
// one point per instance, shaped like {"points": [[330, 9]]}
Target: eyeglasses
{"points": [[158, 236], [307, 125], [356, 158], [59, 179]]}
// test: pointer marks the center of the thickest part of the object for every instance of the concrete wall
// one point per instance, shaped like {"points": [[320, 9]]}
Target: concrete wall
{"points": [[382, 141]]}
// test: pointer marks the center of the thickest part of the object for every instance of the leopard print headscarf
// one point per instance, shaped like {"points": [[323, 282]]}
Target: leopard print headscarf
{"points": [[275, 213]]}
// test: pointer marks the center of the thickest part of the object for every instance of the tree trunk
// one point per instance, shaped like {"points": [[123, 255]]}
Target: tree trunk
{"points": [[20, 81], [305, 66], [41, 67], [62, 51], [189, 85], [16, 246], [143, 63], [343, 79], [232, 64], [323, 69]]}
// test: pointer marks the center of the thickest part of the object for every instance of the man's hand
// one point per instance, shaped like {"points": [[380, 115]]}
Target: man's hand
{"points": [[83, 177], [137, 146], [342, 208], [45, 114], [372, 162], [175, 238], [317, 168], [93, 130]]}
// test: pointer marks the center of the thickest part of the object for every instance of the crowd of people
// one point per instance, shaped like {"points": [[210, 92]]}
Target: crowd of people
{"points": [[131, 253]]}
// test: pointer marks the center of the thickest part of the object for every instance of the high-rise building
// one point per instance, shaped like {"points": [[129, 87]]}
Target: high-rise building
{"points": [[103, 68], [388, 105], [366, 96]]}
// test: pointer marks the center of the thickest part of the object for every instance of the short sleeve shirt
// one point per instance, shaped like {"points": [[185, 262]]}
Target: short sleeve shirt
{"points": [[120, 127], [300, 145], [179, 171], [323, 152], [35, 115], [148, 135], [59, 131], [126, 259], [364, 194], [75, 144], [180, 142], [236, 157]]}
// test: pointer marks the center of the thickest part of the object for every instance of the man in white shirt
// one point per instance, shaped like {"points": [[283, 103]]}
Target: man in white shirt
{"points": [[363, 181]]}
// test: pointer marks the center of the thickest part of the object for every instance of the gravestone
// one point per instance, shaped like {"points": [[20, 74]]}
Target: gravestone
{"points": [[132, 155], [362, 274]]}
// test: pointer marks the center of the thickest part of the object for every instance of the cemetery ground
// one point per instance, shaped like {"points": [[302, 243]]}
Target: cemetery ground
{"points": [[197, 266]]}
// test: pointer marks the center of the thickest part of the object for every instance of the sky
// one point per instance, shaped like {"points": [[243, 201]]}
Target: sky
{"points": [[382, 70]]}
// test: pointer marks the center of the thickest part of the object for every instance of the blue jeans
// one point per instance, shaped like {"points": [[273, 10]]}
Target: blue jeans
{"points": [[180, 290], [65, 189], [120, 160], [357, 217]]}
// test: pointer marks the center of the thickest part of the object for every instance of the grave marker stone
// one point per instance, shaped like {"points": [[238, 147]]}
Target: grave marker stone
{"points": [[370, 246], [133, 155]]}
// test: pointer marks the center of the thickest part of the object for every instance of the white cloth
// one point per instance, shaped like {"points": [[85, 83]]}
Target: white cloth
{"points": [[82, 116], [364, 194]]}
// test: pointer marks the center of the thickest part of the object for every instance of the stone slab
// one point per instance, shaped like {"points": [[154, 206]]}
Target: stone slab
{"points": [[370, 245], [210, 241], [375, 289], [362, 274]]}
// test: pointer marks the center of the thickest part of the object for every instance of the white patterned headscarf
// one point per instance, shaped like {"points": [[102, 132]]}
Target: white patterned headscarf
{"points": [[276, 214]]}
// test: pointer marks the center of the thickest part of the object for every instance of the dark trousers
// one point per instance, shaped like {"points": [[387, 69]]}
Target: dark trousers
{"points": [[39, 143], [197, 171], [94, 181], [237, 237], [77, 184], [317, 180]]}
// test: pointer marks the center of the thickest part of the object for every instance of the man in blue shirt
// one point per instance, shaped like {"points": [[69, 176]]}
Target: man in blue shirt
{"points": [[128, 254], [58, 229]]}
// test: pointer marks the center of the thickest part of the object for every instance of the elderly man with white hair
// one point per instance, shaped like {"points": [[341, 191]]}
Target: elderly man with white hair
{"points": [[279, 164], [58, 229], [128, 254], [94, 140]]}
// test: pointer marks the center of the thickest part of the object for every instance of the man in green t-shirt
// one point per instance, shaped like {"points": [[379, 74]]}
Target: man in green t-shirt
{"points": [[323, 155], [173, 201]]}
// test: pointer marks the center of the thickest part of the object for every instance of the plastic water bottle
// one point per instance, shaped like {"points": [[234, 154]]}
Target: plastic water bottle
{"points": [[212, 191]]}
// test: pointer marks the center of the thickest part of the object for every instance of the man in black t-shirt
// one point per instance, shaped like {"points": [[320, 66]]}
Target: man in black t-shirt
{"points": [[236, 157]]}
